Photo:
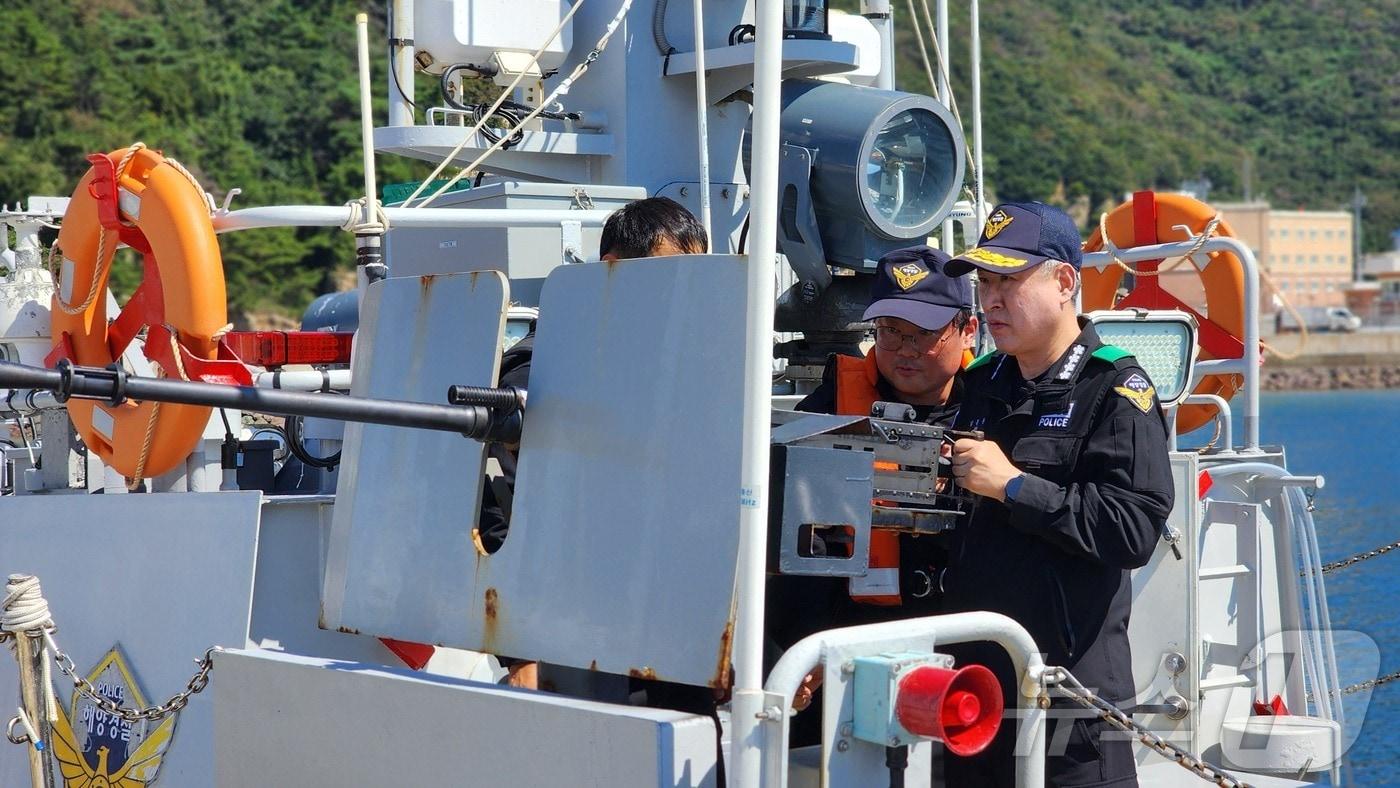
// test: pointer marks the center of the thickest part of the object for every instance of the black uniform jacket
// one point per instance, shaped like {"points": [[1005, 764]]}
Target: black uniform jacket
{"points": [[1091, 438], [494, 521]]}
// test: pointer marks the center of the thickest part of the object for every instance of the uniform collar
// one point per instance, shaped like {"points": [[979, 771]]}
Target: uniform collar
{"points": [[1007, 385], [1067, 368]]}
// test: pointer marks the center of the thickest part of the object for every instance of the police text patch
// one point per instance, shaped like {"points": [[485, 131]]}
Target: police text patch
{"points": [[1137, 390]]}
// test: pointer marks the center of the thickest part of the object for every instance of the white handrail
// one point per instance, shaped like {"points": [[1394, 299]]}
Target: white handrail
{"points": [[805, 655], [702, 117], [747, 748], [338, 216], [1250, 362]]}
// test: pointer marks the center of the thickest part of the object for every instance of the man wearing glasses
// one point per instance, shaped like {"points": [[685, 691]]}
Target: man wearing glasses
{"points": [[924, 331], [924, 326]]}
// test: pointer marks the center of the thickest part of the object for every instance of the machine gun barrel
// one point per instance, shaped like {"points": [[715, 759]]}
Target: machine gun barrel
{"points": [[115, 386]]}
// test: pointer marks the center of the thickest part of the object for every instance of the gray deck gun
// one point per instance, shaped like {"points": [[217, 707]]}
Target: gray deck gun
{"points": [[484, 414], [835, 478]]}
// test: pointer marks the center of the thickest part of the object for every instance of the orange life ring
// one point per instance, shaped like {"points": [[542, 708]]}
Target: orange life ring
{"points": [[1151, 218], [136, 196]]}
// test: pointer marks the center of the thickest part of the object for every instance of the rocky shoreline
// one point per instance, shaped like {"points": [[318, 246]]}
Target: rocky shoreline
{"points": [[1327, 378]]}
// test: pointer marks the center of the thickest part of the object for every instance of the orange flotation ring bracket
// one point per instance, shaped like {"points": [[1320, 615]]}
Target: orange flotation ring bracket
{"points": [[136, 197], [1151, 218]]}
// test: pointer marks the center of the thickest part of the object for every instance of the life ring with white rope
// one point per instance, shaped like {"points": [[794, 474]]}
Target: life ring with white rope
{"points": [[137, 197], [1151, 218]]}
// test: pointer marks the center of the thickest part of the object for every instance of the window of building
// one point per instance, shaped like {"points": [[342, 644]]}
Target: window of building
{"points": [[1317, 286], [1283, 232], [1314, 260], [1331, 287], [1326, 233], [1312, 234], [1283, 286]]}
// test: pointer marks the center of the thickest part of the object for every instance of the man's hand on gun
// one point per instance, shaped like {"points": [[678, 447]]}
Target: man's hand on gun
{"points": [[980, 466]]}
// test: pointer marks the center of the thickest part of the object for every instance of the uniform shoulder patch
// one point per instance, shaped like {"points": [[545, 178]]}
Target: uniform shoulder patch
{"points": [[1137, 389], [982, 360], [1110, 353]]}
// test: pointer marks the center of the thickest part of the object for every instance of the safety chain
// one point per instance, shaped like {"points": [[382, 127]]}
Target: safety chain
{"points": [[1356, 559], [1364, 685], [1068, 686], [196, 684], [25, 613]]}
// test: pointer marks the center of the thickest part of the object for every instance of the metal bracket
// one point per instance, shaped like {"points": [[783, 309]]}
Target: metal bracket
{"points": [[804, 252], [581, 199], [571, 242]]}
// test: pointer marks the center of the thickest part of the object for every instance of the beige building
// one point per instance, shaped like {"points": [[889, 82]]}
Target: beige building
{"points": [[1307, 254]]}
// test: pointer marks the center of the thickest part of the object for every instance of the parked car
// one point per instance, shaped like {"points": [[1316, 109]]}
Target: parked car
{"points": [[1318, 318]]}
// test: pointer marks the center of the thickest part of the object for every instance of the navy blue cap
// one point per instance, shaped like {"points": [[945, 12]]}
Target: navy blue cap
{"points": [[1019, 235], [911, 284]]}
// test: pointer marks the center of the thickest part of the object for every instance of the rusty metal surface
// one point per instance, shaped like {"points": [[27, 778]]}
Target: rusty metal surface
{"points": [[622, 549], [407, 500]]}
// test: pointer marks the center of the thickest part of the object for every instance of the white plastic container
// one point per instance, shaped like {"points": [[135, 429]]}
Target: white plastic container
{"points": [[470, 31]]}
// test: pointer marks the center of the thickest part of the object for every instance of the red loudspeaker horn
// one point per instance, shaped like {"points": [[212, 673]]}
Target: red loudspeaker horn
{"points": [[961, 708]]}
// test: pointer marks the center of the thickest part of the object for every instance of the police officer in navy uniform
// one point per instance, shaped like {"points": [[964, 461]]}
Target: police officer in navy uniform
{"points": [[924, 329], [1072, 489]]}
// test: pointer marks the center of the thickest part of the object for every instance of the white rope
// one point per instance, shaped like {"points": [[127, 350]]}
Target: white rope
{"points": [[208, 198], [24, 608], [943, 70], [923, 50], [1199, 241], [486, 116], [98, 267], [359, 220], [559, 90]]}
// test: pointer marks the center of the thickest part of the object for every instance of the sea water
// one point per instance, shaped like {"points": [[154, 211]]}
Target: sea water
{"points": [[1353, 439]]}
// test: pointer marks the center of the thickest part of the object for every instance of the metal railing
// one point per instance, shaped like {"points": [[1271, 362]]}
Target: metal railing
{"points": [[1248, 365]]}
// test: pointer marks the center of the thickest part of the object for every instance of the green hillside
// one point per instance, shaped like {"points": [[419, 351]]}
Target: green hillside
{"points": [[1085, 100]]}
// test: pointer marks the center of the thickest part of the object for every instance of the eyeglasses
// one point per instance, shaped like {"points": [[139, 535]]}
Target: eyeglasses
{"points": [[890, 338]]}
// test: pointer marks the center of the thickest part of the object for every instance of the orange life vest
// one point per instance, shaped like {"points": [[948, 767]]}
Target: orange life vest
{"points": [[857, 389]]}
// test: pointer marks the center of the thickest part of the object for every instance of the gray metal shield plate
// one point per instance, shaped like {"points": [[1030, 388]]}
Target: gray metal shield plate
{"points": [[622, 550], [407, 499], [163, 576], [621, 555]]}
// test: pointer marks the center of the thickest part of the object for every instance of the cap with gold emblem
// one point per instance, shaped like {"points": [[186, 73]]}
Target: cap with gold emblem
{"points": [[911, 284], [1018, 236]]}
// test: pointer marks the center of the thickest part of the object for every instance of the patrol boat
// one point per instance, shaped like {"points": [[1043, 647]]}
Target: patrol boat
{"points": [[339, 608]]}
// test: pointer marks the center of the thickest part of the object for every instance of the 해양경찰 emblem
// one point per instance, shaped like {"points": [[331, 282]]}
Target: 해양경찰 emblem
{"points": [[96, 749], [1137, 390]]}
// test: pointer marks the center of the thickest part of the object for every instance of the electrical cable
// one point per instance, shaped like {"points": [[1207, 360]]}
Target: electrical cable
{"points": [[394, 72], [658, 29], [293, 429], [509, 112]]}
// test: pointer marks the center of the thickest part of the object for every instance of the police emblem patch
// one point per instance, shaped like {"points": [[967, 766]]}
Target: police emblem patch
{"points": [[908, 275], [1137, 390], [995, 224], [97, 748]]}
